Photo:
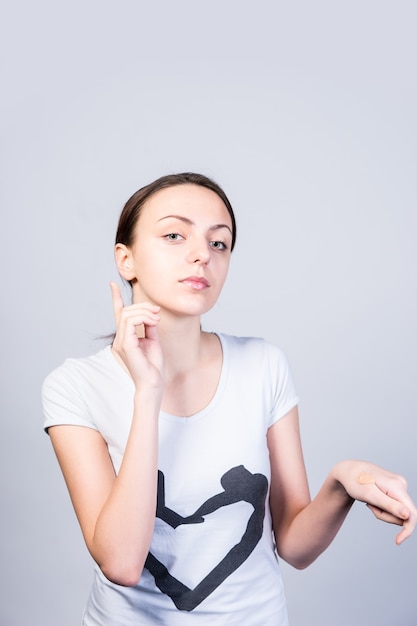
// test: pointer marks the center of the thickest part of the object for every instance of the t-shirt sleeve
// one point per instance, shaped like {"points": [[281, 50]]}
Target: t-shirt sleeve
{"points": [[284, 396], [62, 399]]}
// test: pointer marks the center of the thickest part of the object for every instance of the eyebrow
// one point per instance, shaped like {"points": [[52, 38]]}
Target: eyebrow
{"points": [[189, 222]]}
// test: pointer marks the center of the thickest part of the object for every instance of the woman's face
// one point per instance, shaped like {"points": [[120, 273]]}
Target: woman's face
{"points": [[181, 251]]}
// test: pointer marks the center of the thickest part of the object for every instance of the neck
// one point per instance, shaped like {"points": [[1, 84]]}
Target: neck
{"points": [[182, 344]]}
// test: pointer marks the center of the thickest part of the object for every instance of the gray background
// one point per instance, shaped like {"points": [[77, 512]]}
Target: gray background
{"points": [[305, 113]]}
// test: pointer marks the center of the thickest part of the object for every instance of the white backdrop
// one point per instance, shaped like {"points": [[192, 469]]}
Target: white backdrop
{"points": [[305, 113]]}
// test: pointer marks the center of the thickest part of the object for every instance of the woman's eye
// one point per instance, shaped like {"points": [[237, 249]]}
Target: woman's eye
{"points": [[173, 237], [218, 245]]}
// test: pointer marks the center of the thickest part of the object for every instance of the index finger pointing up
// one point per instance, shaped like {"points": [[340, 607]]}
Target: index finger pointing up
{"points": [[117, 299]]}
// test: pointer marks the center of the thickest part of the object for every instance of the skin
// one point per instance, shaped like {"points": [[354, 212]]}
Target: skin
{"points": [[177, 265]]}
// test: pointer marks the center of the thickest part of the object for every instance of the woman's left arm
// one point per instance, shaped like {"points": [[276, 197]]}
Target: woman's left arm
{"points": [[304, 528]]}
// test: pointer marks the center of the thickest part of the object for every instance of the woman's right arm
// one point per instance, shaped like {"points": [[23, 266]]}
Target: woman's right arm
{"points": [[117, 513]]}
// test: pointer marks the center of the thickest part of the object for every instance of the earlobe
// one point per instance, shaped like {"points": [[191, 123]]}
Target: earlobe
{"points": [[123, 257]]}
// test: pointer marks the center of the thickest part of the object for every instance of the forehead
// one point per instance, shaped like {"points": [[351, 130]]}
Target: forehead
{"points": [[188, 200]]}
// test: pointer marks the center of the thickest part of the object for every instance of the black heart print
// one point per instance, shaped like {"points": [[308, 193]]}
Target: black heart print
{"points": [[239, 485]]}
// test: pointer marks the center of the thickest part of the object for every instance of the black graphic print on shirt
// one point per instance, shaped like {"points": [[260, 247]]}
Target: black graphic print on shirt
{"points": [[238, 485]]}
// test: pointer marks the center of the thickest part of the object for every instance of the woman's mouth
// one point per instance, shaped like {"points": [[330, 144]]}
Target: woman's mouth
{"points": [[196, 282]]}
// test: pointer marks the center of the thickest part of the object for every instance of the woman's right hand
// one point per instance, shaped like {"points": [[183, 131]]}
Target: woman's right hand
{"points": [[142, 355]]}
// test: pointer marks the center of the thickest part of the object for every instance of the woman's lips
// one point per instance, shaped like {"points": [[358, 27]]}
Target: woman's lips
{"points": [[196, 282]]}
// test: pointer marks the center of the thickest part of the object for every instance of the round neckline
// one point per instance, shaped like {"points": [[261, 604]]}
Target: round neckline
{"points": [[217, 394], [123, 374]]}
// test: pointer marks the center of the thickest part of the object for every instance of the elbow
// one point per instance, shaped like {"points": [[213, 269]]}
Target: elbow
{"points": [[298, 560], [123, 579], [122, 575], [121, 564], [299, 563], [297, 554]]}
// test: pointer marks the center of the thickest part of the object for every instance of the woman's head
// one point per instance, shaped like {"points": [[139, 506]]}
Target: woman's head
{"points": [[132, 209], [174, 241]]}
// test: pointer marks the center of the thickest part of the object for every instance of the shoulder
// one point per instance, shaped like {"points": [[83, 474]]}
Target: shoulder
{"points": [[81, 378], [70, 392], [252, 348], [75, 370], [257, 355]]}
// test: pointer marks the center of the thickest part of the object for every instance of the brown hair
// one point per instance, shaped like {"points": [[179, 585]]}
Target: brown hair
{"points": [[131, 211]]}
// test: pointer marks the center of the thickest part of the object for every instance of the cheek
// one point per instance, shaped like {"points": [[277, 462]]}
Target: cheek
{"points": [[220, 270], [152, 260], [224, 264]]}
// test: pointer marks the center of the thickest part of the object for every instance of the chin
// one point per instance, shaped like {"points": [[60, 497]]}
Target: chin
{"points": [[194, 309]]}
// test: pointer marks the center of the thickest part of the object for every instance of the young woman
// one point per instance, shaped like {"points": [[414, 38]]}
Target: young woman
{"points": [[181, 448]]}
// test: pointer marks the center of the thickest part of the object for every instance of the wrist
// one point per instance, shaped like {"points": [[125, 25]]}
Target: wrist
{"points": [[337, 478], [148, 394]]}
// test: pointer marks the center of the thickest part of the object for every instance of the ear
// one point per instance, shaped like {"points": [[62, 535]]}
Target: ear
{"points": [[124, 261]]}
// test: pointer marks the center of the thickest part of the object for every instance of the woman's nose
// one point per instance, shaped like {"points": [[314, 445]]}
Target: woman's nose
{"points": [[200, 252]]}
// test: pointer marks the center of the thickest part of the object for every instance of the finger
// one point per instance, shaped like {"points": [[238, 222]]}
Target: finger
{"points": [[407, 530], [407, 519], [117, 300], [388, 504], [142, 306], [394, 486], [409, 524], [395, 489], [384, 516], [151, 332], [131, 318]]}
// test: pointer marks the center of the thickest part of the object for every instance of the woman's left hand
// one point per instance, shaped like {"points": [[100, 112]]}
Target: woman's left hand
{"points": [[383, 492]]}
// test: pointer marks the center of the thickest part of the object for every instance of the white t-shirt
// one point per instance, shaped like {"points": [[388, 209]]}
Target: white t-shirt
{"points": [[212, 559]]}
